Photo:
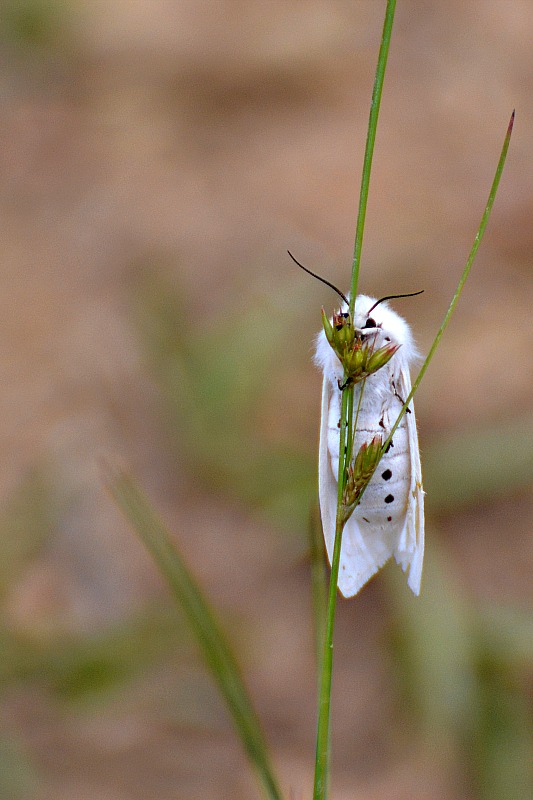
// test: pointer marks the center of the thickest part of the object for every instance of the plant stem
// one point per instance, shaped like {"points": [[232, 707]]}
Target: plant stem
{"points": [[324, 705], [346, 429], [455, 299], [369, 149], [323, 750], [319, 584], [477, 241]]}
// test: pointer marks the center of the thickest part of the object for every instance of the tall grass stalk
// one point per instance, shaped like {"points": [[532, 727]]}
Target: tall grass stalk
{"points": [[323, 744], [369, 147], [323, 748]]}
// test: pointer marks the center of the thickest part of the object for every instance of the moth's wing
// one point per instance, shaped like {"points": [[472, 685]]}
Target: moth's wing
{"points": [[361, 557], [410, 549], [327, 484]]}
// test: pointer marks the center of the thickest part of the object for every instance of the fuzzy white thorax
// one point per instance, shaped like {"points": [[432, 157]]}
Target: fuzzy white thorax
{"points": [[391, 329]]}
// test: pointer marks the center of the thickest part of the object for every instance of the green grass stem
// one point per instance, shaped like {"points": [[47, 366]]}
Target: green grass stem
{"points": [[460, 286], [206, 628], [369, 147], [323, 749], [319, 584]]}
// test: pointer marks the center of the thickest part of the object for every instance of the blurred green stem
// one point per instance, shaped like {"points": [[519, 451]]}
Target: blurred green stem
{"points": [[210, 636]]}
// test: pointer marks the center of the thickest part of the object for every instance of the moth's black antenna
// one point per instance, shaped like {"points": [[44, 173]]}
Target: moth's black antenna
{"points": [[394, 297], [331, 286]]}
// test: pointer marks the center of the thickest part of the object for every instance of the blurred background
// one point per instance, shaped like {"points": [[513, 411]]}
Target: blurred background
{"points": [[157, 159]]}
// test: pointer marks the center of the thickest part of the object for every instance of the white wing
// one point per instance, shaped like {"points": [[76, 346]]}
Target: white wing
{"points": [[361, 556], [327, 484], [410, 550]]}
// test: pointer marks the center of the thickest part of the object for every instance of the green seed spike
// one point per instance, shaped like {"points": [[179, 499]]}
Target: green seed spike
{"points": [[381, 357], [328, 327], [359, 475]]}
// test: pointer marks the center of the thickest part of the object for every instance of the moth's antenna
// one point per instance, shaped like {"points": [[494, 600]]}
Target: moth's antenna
{"points": [[331, 286], [392, 297]]}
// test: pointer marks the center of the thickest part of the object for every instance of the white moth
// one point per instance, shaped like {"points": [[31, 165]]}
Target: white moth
{"points": [[389, 521]]}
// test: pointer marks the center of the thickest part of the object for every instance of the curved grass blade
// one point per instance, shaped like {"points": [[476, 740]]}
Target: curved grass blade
{"points": [[207, 630], [460, 286]]}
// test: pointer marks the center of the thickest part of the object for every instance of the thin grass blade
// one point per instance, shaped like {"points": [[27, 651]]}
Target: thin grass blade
{"points": [[369, 147], [460, 286], [319, 585], [206, 628]]}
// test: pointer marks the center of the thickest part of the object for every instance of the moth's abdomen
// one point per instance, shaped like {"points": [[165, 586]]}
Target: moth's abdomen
{"points": [[384, 502]]}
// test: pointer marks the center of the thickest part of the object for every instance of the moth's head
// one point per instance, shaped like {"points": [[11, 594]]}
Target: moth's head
{"points": [[374, 318]]}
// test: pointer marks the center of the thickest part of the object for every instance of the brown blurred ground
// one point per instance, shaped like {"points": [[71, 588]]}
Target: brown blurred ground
{"points": [[202, 140]]}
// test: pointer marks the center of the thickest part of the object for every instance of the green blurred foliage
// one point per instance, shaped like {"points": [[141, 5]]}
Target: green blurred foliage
{"points": [[481, 465], [26, 523], [87, 670], [214, 375], [34, 25], [18, 778], [462, 672], [80, 667], [70, 665]]}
